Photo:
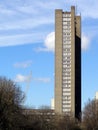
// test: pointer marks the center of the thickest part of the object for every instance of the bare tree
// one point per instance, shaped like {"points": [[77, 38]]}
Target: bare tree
{"points": [[90, 115], [11, 98], [68, 122]]}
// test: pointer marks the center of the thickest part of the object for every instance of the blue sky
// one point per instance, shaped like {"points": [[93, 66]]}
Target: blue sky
{"points": [[27, 46]]}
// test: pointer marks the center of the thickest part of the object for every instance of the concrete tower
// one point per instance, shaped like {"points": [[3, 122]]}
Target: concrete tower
{"points": [[67, 62]]}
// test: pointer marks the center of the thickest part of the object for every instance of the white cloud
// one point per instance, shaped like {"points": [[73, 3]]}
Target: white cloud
{"points": [[40, 49], [21, 78], [24, 64], [49, 43], [22, 16], [28, 78], [85, 42], [24, 24], [44, 80], [20, 39]]}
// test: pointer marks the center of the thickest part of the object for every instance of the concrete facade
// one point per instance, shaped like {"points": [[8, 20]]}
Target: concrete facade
{"points": [[67, 62]]}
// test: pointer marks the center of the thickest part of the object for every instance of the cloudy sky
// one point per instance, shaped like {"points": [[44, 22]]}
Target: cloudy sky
{"points": [[27, 46]]}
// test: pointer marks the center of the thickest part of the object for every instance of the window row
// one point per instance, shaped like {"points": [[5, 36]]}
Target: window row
{"points": [[67, 66], [67, 110], [66, 63], [67, 97], [66, 86], [67, 78], [66, 46], [67, 102], [66, 50], [67, 33], [66, 30], [66, 60], [66, 106], [66, 15], [66, 69], [65, 75], [66, 81], [67, 89], [66, 94], [66, 53], [66, 42], [67, 72], [66, 57], [65, 38], [67, 27], [67, 23]]}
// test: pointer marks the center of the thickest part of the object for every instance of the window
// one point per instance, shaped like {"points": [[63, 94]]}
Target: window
{"points": [[68, 54], [67, 97], [66, 46], [67, 94], [64, 54], [64, 27], [66, 89], [64, 84], [68, 78], [66, 30], [66, 70], [67, 15], [66, 49], [66, 110], [66, 106], [65, 23], [67, 102]]}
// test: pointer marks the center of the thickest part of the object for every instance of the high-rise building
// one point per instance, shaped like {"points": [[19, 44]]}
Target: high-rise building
{"points": [[67, 62]]}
